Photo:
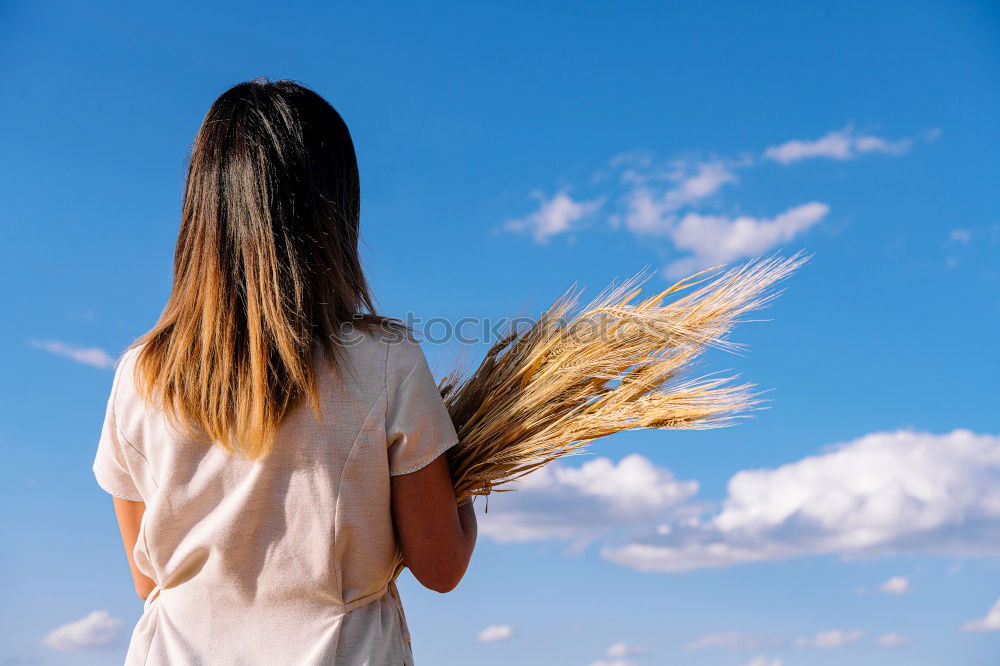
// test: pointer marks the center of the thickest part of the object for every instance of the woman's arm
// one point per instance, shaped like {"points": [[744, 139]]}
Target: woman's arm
{"points": [[436, 536], [129, 515]]}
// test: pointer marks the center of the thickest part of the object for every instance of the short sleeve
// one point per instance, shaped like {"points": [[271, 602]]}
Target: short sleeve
{"points": [[110, 465], [418, 427]]}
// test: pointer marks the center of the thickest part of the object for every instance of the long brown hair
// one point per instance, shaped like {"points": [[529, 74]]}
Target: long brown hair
{"points": [[265, 269]]}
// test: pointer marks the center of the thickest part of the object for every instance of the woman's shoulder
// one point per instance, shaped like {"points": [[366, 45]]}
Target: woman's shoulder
{"points": [[125, 367], [129, 407], [388, 340]]}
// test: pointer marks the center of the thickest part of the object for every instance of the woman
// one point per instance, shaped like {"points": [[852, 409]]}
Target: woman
{"points": [[272, 441]]}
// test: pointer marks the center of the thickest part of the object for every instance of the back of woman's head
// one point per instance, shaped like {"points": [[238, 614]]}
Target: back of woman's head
{"points": [[265, 269]]}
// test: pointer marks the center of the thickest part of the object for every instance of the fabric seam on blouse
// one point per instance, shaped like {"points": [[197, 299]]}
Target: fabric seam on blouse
{"points": [[114, 423], [340, 481], [152, 637], [121, 433], [405, 379], [423, 463], [385, 380]]}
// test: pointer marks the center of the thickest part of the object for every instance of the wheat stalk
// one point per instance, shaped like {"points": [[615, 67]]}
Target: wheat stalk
{"points": [[582, 373]]}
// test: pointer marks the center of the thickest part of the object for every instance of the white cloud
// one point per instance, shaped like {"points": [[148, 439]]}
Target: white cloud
{"points": [[885, 493], [896, 585], [719, 239], [737, 640], [495, 632], [554, 216], [989, 623], [831, 639], [96, 630], [638, 168], [619, 653], [960, 235], [893, 640], [624, 650], [663, 202], [582, 503], [843, 144], [764, 661], [87, 355], [706, 180], [650, 212], [634, 162], [673, 200], [646, 214]]}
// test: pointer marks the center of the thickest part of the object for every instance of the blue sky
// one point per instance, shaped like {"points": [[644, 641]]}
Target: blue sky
{"points": [[509, 150]]}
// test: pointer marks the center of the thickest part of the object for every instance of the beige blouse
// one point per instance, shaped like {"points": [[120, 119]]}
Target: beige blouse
{"points": [[286, 561]]}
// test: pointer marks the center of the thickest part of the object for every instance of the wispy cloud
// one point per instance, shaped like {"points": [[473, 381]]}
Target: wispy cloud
{"points": [[960, 236], [893, 640], [832, 638], [94, 631], [86, 355], [679, 202], [651, 208], [736, 640], [622, 649], [842, 144], [495, 632], [764, 661], [555, 215], [668, 201], [896, 585], [620, 653], [991, 622]]}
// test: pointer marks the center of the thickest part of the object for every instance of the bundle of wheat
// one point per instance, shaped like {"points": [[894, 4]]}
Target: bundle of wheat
{"points": [[582, 373]]}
